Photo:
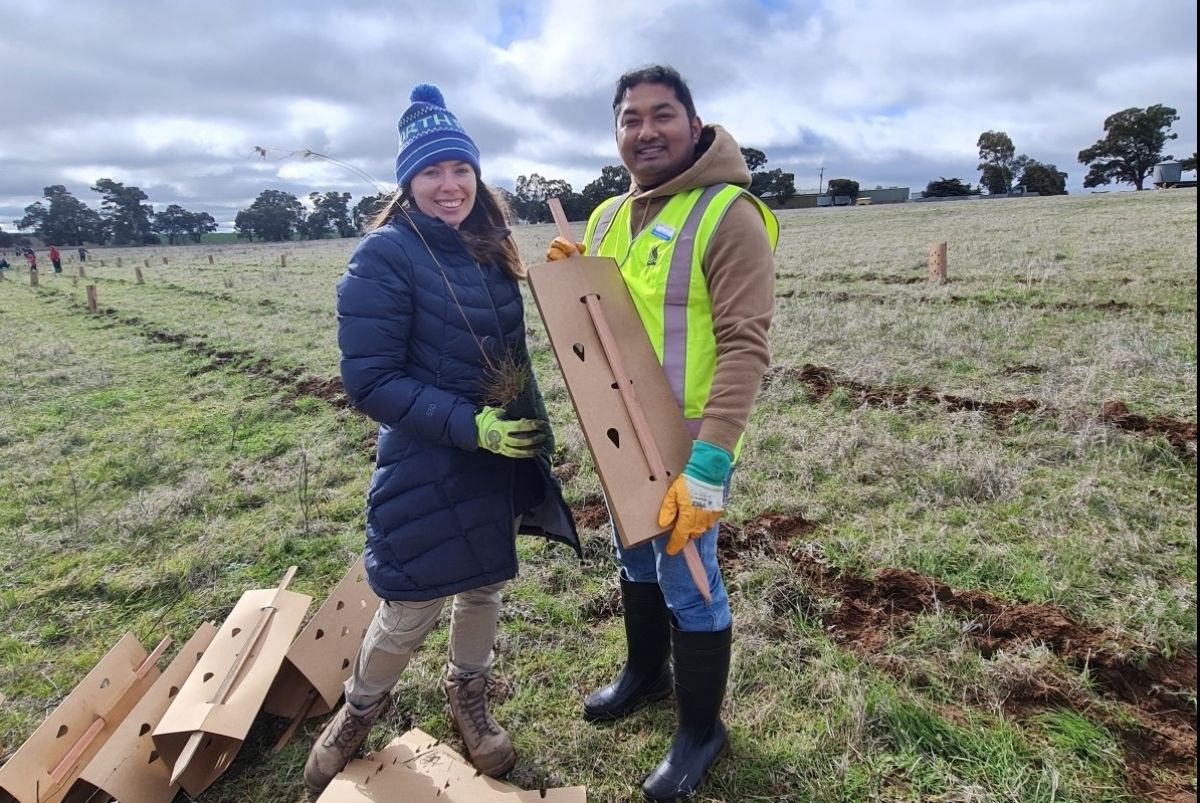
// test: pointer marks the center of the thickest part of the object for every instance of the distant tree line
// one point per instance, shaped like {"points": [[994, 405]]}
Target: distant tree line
{"points": [[1132, 145], [278, 215], [122, 219], [528, 200]]}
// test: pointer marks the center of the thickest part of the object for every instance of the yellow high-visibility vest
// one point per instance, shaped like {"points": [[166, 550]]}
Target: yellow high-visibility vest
{"points": [[663, 267]]}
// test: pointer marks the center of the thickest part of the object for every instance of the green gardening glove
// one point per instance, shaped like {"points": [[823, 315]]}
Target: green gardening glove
{"points": [[521, 437]]}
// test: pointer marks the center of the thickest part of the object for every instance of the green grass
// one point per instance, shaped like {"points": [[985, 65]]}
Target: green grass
{"points": [[152, 460]]}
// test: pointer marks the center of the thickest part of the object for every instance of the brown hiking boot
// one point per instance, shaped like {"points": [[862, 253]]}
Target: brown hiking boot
{"points": [[339, 742], [487, 743]]}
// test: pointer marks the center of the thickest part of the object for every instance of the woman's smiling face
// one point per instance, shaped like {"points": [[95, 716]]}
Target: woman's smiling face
{"points": [[445, 190]]}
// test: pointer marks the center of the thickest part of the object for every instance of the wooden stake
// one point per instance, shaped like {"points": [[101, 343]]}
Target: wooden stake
{"points": [[937, 263], [93, 307], [306, 705], [210, 259], [283, 260], [147, 262], [33, 278], [164, 260], [560, 218], [186, 755], [138, 273], [152, 658], [82, 274], [68, 761]]}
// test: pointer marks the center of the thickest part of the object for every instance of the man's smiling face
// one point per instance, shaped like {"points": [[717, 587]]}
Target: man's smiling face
{"points": [[655, 138]]}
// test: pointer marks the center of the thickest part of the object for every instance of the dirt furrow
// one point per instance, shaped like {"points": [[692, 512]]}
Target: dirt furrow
{"points": [[823, 381], [1156, 692]]}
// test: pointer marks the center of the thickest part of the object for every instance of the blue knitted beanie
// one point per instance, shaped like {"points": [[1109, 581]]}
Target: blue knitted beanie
{"points": [[429, 133]]}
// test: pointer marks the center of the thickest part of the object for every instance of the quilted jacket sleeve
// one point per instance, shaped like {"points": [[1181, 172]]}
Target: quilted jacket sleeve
{"points": [[375, 300]]}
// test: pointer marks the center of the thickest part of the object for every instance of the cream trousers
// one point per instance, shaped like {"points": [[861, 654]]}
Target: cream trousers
{"points": [[399, 628]]}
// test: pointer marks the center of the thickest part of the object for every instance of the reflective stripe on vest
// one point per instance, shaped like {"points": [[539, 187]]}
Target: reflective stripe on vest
{"points": [[601, 219], [672, 299], [675, 308]]}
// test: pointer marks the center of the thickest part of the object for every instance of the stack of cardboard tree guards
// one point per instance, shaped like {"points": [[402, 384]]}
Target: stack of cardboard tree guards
{"points": [[132, 733]]}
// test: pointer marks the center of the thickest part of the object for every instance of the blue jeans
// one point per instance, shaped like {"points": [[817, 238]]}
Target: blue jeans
{"points": [[650, 563]]}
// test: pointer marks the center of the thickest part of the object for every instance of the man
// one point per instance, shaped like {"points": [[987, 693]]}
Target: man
{"points": [[56, 259], [706, 305]]}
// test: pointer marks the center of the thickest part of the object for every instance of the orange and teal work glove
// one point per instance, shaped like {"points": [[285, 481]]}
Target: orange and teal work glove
{"points": [[520, 437], [696, 499], [562, 248]]}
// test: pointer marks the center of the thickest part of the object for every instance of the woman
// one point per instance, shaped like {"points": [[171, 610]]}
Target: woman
{"points": [[432, 334]]}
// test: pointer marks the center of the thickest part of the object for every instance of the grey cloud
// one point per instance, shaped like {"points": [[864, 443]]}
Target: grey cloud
{"points": [[1047, 73]]}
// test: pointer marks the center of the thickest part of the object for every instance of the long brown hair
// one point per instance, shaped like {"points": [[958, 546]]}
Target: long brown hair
{"points": [[484, 231]]}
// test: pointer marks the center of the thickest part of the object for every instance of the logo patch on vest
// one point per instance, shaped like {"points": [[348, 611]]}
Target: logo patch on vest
{"points": [[662, 231]]}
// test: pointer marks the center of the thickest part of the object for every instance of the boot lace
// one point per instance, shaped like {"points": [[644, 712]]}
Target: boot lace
{"points": [[353, 730], [472, 697]]}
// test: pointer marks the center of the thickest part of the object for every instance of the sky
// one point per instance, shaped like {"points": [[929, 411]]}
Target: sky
{"points": [[174, 96]]}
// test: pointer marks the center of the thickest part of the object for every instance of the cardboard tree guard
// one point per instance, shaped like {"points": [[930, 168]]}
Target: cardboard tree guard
{"points": [[316, 666], [47, 764], [203, 729], [416, 768], [128, 768], [633, 488]]}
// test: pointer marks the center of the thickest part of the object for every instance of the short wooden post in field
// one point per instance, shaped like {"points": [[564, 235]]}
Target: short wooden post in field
{"points": [[937, 263], [147, 262], [164, 260], [118, 262], [102, 263], [137, 272], [33, 278], [93, 307], [81, 271], [210, 259], [283, 260]]}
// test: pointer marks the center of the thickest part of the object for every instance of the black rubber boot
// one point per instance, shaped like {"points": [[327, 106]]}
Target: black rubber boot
{"points": [[646, 676], [701, 663]]}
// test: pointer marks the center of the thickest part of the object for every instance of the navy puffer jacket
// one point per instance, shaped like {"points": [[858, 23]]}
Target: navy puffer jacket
{"points": [[440, 510]]}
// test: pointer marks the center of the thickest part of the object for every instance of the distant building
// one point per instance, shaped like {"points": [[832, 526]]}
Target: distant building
{"points": [[1168, 175], [886, 195], [808, 200]]}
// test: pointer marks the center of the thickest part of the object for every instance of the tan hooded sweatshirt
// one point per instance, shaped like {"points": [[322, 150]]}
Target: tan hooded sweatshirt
{"points": [[740, 270]]}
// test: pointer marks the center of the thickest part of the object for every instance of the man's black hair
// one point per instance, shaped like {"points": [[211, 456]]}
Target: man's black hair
{"points": [[656, 74]]}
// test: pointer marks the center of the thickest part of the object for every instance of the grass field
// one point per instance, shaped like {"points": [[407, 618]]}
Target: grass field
{"points": [[961, 548]]}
